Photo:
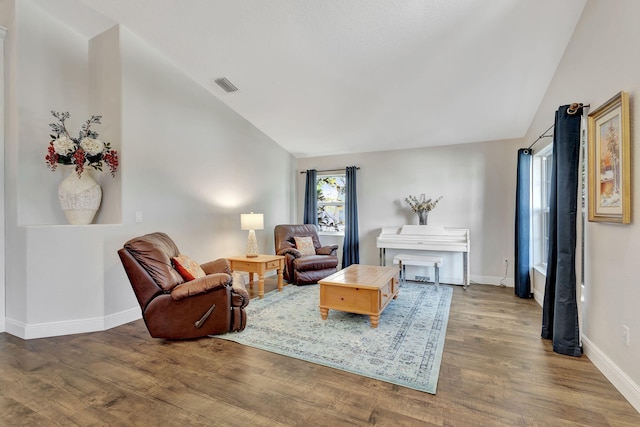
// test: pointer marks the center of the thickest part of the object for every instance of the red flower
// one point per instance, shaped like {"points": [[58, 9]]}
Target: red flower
{"points": [[78, 159], [111, 159], [52, 157]]}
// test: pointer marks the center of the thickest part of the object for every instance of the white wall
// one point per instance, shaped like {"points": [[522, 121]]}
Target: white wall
{"points": [[188, 163], [105, 98], [601, 60], [53, 74], [478, 188], [14, 295], [3, 33]]}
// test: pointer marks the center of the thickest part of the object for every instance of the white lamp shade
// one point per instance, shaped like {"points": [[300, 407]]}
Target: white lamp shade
{"points": [[251, 221]]}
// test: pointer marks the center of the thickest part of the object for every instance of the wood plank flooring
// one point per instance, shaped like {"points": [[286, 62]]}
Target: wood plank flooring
{"points": [[496, 371]]}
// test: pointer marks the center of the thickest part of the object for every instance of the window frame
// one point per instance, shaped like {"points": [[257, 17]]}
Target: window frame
{"points": [[542, 170], [320, 203], [546, 194]]}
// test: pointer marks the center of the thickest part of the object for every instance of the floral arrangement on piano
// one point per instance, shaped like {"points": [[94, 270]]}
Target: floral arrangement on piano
{"points": [[422, 206]]}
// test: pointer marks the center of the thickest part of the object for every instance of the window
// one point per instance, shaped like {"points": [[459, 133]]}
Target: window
{"points": [[330, 190], [546, 193], [542, 166]]}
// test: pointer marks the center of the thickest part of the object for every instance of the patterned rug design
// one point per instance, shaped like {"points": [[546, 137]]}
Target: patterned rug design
{"points": [[405, 349]]}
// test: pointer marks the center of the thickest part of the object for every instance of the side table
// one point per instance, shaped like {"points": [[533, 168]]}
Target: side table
{"points": [[259, 265]]}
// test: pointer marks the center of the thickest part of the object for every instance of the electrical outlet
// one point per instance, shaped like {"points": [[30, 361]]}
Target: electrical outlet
{"points": [[625, 335], [505, 261]]}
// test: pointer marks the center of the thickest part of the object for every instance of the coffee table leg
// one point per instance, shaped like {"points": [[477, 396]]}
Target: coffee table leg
{"points": [[374, 320], [324, 313], [261, 286], [280, 280]]}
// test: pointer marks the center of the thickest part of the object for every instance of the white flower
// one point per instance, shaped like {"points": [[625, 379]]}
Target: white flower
{"points": [[423, 204], [64, 146], [91, 146]]}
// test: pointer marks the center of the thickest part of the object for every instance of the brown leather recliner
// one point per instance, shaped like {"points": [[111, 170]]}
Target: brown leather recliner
{"points": [[304, 269], [173, 308]]}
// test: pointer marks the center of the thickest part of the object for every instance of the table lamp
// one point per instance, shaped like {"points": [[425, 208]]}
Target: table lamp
{"points": [[252, 221]]}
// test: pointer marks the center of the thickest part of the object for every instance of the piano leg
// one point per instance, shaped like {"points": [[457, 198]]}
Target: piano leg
{"points": [[465, 278]]}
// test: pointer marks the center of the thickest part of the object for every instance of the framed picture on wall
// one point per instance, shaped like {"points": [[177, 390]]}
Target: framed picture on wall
{"points": [[610, 161]]}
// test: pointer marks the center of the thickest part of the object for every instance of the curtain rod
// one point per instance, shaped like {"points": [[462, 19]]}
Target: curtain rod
{"points": [[544, 135], [571, 109], [331, 170]]}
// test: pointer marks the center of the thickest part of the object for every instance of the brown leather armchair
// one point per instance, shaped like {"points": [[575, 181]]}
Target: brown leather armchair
{"points": [[304, 269], [173, 308]]}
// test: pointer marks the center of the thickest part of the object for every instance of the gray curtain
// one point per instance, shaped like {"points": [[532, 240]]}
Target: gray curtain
{"points": [[523, 208], [560, 308], [311, 198], [351, 246]]}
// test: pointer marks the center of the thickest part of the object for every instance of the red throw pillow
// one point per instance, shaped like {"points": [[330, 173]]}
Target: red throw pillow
{"points": [[188, 268]]}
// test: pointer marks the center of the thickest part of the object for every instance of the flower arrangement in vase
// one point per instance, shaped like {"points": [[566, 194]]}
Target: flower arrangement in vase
{"points": [[86, 149], [79, 194], [422, 206]]}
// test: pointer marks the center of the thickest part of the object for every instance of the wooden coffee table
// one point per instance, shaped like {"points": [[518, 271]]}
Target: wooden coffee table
{"points": [[259, 264], [362, 289]]}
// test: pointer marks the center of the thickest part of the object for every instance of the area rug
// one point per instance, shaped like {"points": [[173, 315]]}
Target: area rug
{"points": [[405, 349]]}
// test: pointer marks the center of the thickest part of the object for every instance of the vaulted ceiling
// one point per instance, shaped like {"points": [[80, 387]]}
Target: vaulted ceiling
{"points": [[327, 77]]}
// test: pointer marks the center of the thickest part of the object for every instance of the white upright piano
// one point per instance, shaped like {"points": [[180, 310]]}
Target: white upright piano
{"points": [[427, 238]]}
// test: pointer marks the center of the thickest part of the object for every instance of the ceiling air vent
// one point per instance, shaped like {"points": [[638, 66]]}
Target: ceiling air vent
{"points": [[225, 84]]}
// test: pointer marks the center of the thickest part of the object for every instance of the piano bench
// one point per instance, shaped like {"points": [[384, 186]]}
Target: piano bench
{"points": [[418, 260]]}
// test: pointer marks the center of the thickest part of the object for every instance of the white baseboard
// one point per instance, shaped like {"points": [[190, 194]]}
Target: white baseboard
{"points": [[70, 327], [14, 327], [492, 280], [620, 380], [475, 280], [126, 316], [538, 297]]}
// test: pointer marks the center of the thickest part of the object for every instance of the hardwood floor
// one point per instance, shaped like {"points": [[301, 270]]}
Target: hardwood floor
{"points": [[496, 371]]}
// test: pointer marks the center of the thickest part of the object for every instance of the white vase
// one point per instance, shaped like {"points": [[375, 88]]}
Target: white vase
{"points": [[79, 197]]}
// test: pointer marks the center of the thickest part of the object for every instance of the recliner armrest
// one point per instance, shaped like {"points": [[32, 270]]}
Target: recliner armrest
{"points": [[327, 250], [290, 251], [239, 298], [221, 265], [202, 285]]}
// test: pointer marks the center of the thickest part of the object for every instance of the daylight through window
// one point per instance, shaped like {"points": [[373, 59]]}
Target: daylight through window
{"points": [[542, 166], [546, 193], [330, 191]]}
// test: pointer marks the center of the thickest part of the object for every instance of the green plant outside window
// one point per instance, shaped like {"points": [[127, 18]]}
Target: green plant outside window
{"points": [[331, 196]]}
